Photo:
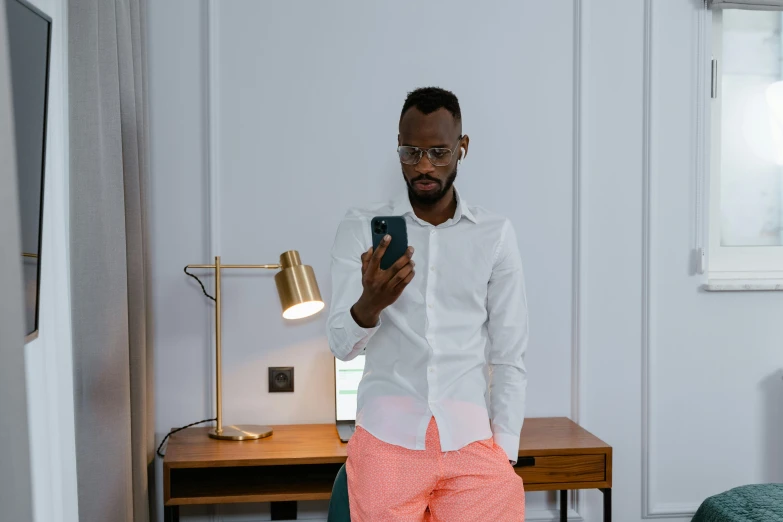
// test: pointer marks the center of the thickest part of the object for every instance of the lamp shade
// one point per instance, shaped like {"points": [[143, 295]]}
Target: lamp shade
{"points": [[297, 287]]}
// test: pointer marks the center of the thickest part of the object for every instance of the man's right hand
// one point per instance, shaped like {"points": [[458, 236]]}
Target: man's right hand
{"points": [[381, 287]]}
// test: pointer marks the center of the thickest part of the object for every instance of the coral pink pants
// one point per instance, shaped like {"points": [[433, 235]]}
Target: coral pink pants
{"points": [[391, 483]]}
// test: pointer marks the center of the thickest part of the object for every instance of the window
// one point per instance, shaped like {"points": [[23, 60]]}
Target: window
{"points": [[746, 166]]}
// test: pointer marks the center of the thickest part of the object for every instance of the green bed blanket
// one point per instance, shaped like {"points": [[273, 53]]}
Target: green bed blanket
{"points": [[755, 503]]}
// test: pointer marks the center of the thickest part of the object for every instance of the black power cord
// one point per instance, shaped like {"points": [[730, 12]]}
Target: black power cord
{"points": [[199, 282], [172, 432]]}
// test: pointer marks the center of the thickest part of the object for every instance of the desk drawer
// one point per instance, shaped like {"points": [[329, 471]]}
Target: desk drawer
{"points": [[559, 469]]}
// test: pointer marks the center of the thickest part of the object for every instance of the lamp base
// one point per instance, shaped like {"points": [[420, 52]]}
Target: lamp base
{"points": [[241, 432]]}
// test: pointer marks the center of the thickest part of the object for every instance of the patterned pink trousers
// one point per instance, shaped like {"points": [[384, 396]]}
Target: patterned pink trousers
{"points": [[391, 483]]}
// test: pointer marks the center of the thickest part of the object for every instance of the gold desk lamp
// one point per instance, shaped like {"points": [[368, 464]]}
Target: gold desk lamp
{"points": [[299, 297]]}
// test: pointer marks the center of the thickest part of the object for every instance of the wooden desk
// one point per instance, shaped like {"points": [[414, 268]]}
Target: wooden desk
{"points": [[300, 462]]}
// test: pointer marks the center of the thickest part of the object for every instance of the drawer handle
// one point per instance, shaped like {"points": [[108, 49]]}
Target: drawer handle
{"points": [[525, 462]]}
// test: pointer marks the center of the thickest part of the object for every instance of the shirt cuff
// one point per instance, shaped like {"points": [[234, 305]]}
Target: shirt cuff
{"points": [[358, 332], [510, 445], [356, 337]]}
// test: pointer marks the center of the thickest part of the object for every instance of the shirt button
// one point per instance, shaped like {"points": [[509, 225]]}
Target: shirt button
{"points": [[431, 369], [432, 232], [429, 306], [432, 268]]}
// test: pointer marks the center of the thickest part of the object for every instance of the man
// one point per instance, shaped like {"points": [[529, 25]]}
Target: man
{"points": [[431, 441]]}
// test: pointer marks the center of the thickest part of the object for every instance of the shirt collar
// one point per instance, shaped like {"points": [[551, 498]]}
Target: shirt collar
{"points": [[402, 206]]}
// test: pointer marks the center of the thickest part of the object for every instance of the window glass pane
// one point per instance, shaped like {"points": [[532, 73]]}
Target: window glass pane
{"points": [[751, 93]]}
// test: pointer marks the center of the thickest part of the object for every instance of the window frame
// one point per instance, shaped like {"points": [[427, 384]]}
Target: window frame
{"points": [[736, 263]]}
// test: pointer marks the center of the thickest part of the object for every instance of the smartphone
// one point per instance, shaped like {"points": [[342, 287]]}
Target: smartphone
{"points": [[395, 227]]}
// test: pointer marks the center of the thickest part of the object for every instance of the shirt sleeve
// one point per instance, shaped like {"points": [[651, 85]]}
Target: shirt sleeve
{"points": [[508, 334], [346, 338]]}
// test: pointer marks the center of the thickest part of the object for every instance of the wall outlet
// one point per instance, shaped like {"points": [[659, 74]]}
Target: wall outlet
{"points": [[281, 379]]}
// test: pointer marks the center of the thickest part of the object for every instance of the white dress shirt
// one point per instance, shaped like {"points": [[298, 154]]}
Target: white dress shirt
{"points": [[461, 321]]}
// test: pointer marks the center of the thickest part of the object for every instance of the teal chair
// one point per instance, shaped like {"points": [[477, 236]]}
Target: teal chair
{"points": [[339, 508]]}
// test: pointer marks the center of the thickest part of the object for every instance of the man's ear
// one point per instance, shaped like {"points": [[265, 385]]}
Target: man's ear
{"points": [[463, 147]]}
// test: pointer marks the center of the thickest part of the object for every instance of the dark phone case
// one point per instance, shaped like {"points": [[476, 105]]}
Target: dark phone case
{"points": [[395, 227]]}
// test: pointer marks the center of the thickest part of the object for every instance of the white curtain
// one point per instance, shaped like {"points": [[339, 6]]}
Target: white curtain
{"points": [[112, 359]]}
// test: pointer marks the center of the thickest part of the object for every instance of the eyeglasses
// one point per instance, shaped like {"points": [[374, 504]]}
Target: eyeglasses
{"points": [[438, 156]]}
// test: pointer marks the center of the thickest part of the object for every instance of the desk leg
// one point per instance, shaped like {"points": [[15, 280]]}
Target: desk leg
{"points": [[283, 510], [563, 505], [607, 504], [171, 514]]}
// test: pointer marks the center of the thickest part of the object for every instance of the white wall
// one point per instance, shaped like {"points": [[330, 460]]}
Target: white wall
{"points": [[682, 380], [716, 359], [178, 214], [49, 358], [307, 127], [250, 101], [610, 144]]}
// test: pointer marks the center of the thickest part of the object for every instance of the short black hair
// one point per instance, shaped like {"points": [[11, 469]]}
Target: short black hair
{"points": [[430, 99]]}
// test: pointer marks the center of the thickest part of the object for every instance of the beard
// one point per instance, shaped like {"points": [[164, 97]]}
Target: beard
{"points": [[429, 199]]}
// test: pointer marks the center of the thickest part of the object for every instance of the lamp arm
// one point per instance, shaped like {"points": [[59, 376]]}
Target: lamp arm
{"points": [[267, 267]]}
